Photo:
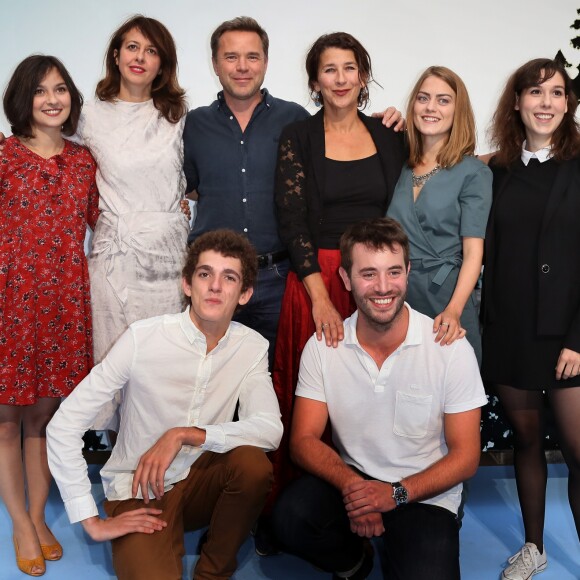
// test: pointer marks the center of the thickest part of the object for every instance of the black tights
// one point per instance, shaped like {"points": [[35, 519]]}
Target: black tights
{"points": [[525, 412]]}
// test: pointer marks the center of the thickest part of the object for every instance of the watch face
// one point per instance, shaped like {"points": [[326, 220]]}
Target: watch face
{"points": [[400, 494]]}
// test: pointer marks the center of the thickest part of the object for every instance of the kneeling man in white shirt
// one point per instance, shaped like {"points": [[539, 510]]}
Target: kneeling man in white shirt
{"points": [[180, 461], [405, 415]]}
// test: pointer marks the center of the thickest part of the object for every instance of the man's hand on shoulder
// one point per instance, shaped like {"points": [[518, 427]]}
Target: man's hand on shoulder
{"points": [[150, 472], [368, 496], [142, 520]]}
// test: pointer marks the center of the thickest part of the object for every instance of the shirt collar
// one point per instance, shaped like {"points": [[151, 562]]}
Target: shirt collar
{"points": [[415, 331], [413, 337], [192, 332], [541, 155]]}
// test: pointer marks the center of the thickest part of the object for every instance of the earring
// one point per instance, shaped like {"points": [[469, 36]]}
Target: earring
{"points": [[363, 96], [317, 98]]}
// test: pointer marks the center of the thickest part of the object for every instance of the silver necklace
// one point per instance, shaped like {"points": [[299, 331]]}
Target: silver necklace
{"points": [[420, 180]]}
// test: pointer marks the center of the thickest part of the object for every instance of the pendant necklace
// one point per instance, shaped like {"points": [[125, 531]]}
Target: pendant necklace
{"points": [[420, 180]]}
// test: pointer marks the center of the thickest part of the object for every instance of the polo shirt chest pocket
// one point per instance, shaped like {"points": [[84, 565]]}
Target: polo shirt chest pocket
{"points": [[412, 415]]}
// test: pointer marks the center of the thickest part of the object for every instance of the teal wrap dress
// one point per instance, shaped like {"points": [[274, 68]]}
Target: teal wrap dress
{"points": [[453, 204]]}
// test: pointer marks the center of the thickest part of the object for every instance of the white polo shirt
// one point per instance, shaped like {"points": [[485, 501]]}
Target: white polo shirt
{"points": [[388, 422]]}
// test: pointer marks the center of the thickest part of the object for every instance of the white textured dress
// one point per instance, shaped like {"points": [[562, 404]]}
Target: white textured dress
{"points": [[140, 239]]}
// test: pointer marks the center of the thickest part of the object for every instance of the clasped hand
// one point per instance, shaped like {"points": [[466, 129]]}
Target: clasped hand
{"points": [[365, 500]]}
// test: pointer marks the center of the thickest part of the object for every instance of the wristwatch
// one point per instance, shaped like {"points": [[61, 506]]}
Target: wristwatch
{"points": [[400, 494]]}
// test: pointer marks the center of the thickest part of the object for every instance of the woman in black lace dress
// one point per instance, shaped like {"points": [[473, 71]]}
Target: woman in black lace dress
{"points": [[334, 169], [531, 295]]}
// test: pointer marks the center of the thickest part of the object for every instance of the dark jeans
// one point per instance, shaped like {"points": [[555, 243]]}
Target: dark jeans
{"points": [[420, 540], [262, 312]]}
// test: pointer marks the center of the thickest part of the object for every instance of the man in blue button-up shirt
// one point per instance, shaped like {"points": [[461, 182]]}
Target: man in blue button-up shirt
{"points": [[230, 161]]}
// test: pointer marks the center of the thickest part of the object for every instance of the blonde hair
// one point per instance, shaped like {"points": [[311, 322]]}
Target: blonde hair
{"points": [[461, 140]]}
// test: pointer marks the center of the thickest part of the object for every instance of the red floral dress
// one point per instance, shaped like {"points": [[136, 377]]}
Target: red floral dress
{"points": [[45, 312]]}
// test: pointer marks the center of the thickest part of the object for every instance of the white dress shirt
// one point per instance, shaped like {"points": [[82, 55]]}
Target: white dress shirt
{"points": [[167, 380]]}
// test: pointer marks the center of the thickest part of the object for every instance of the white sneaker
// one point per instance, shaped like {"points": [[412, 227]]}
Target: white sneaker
{"points": [[527, 562]]}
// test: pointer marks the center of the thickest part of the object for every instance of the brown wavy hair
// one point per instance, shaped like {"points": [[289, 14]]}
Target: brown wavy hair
{"points": [[168, 96], [19, 94], [344, 41], [461, 140], [508, 132], [229, 244]]}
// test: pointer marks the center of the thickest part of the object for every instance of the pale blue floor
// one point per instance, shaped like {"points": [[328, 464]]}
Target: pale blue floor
{"points": [[491, 532]]}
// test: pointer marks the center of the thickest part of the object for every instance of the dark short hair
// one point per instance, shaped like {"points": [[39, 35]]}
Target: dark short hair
{"points": [[19, 94], [168, 97], [242, 24], [229, 244], [507, 128], [344, 41], [375, 234]]}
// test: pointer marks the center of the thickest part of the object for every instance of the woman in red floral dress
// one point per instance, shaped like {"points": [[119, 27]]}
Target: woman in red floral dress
{"points": [[47, 197]]}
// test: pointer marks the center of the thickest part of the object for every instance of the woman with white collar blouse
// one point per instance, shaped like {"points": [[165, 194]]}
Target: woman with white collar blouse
{"points": [[531, 293]]}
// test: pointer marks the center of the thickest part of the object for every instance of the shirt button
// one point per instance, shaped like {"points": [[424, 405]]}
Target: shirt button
{"points": [[231, 118], [241, 142], [246, 230], [545, 268], [244, 200], [243, 171]]}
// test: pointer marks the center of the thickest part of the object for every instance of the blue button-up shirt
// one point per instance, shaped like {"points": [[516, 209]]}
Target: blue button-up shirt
{"points": [[233, 172]]}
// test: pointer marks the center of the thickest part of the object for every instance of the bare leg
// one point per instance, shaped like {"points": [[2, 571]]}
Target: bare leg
{"points": [[38, 478], [566, 407], [12, 483], [524, 410]]}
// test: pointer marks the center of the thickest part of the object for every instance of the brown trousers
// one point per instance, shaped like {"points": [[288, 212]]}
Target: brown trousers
{"points": [[223, 490]]}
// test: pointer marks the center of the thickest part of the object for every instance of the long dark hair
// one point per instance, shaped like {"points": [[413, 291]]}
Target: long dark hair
{"points": [[507, 129], [168, 96]]}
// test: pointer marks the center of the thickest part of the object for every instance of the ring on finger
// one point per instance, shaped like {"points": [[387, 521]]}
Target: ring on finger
{"points": [[445, 324], [325, 324]]}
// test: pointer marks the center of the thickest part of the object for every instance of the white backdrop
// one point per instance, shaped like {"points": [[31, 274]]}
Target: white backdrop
{"points": [[482, 40]]}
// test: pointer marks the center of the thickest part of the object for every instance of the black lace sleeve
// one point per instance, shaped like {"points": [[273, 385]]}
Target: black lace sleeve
{"points": [[292, 206]]}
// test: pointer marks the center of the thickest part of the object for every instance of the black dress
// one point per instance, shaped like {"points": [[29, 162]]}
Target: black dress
{"points": [[513, 352]]}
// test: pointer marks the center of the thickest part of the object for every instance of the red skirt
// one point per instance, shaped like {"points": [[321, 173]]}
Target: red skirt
{"points": [[296, 326]]}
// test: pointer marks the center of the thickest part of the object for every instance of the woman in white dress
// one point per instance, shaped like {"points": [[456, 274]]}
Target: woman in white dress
{"points": [[134, 131]]}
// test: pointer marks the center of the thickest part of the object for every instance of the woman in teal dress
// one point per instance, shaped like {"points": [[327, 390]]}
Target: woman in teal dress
{"points": [[442, 200]]}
